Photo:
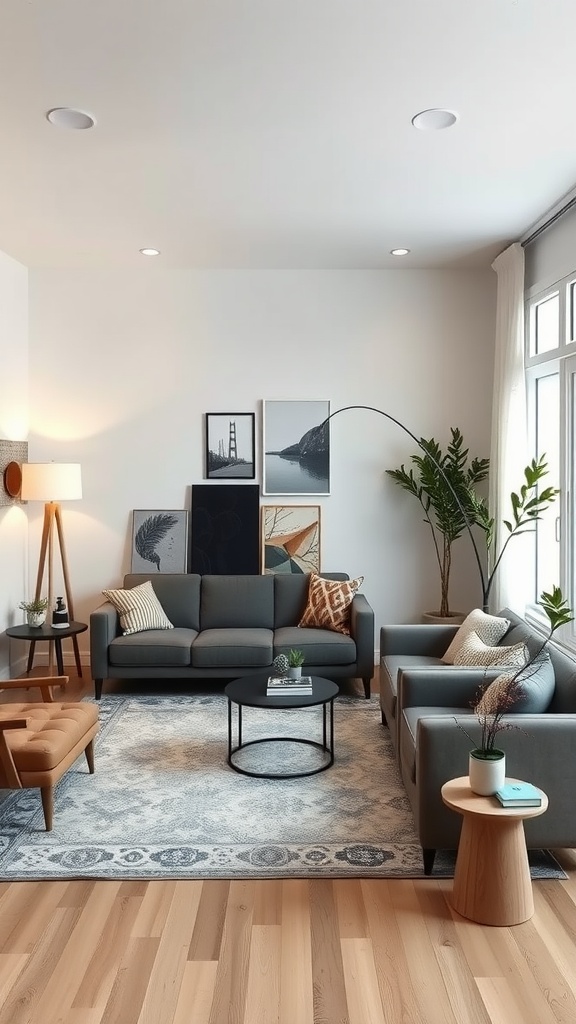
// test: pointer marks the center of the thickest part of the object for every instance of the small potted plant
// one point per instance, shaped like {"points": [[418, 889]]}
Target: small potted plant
{"points": [[487, 762], [295, 662], [35, 610]]}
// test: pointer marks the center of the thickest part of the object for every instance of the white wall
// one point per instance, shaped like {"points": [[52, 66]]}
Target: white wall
{"points": [[13, 427], [125, 364]]}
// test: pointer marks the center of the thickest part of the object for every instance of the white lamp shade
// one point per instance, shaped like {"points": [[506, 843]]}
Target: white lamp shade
{"points": [[51, 481]]}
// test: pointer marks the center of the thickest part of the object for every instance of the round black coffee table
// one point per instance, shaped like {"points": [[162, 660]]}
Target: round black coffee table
{"points": [[35, 633], [250, 692]]}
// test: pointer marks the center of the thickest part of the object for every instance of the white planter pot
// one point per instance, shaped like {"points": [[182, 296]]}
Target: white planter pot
{"points": [[294, 673], [486, 774], [35, 618]]}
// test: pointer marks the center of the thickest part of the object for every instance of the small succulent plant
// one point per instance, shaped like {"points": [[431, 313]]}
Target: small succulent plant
{"points": [[280, 663], [295, 658]]}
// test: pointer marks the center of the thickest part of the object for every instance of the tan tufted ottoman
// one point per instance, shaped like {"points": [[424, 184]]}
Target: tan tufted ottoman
{"points": [[39, 742]]}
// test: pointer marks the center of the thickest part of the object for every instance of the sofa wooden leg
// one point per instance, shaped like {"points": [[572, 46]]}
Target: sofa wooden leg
{"points": [[428, 858], [89, 751], [383, 717], [98, 688], [367, 687], [48, 805]]}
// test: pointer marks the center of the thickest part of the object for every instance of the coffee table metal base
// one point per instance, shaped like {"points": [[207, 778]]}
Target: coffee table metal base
{"points": [[326, 747]]}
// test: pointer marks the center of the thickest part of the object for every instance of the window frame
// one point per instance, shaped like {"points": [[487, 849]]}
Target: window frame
{"points": [[561, 360]]}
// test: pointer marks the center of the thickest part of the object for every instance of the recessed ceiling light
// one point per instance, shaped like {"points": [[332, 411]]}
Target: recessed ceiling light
{"points": [[435, 119], [68, 117], [399, 252], [150, 252]]}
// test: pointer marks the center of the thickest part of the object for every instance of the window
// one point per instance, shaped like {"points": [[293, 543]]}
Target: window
{"points": [[551, 389]]}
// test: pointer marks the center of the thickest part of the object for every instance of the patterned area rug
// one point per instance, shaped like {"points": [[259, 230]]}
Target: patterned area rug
{"points": [[164, 803]]}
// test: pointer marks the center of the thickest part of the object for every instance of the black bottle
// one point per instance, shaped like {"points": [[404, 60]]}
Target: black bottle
{"points": [[60, 615]]}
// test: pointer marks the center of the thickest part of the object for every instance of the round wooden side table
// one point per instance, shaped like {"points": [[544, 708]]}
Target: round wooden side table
{"points": [[492, 883]]}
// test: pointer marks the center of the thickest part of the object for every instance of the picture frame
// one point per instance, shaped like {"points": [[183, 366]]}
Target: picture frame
{"points": [[295, 462], [159, 540], [290, 539], [224, 536], [230, 446]]}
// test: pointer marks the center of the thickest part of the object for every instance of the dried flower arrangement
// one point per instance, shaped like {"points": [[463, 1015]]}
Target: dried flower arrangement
{"points": [[493, 703]]}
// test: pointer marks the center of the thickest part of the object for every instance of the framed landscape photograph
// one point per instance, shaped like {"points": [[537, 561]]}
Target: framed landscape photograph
{"points": [[296, 447], [230, 446], [290, 539], [159, 541]]}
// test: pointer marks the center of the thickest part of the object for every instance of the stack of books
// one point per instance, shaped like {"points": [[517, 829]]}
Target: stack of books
{"points": [[519, 794], [282, 686]]}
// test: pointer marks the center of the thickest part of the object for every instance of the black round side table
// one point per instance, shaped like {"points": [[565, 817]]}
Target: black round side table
{"points": [[34, 634]]}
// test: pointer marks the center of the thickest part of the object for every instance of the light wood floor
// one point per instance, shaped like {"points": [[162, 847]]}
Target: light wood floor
{"points": [[279, 952]]}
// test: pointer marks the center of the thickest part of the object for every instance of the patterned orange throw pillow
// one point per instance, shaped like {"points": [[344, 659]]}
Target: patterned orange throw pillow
{"points": [[329, 601]]}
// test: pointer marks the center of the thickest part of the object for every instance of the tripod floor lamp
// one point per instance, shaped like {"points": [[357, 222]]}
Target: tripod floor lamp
{"points": [[52, 482]]}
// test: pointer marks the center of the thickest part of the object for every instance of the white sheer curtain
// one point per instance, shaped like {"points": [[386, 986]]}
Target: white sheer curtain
{"points": [[509, 444]]}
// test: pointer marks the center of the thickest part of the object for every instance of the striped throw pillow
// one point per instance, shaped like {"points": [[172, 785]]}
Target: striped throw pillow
{"points": [[139, 609], [328, 605]]}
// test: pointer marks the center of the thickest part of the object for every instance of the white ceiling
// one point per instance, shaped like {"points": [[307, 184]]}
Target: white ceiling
{"points": [[277, 133]]}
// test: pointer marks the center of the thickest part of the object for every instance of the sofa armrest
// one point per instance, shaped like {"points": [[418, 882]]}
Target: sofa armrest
{"points": [[430, 640], [104, 627], [362, 632], [539, 749], [431, 687]]}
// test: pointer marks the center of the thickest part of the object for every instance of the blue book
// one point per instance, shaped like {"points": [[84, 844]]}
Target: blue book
{"points": [[519, 794]]}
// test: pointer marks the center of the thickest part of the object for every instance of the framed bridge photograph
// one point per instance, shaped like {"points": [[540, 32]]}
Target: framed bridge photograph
{"points": [[230, 446]]}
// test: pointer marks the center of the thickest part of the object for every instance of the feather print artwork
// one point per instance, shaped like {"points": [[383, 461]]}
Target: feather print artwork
{"points": [[149, 535]]}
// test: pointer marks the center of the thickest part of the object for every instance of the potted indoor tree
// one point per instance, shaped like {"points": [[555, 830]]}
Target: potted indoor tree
{"points": [[527, 507], [487, 762], [444, 485]]}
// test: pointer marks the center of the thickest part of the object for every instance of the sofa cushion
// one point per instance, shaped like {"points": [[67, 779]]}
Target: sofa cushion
{"points": [[474, 651], [328, 603], [490, 629], [178, 593], [291, 595], [153, 648], [139, 609], [241, 602], [320, 646], [537, 682], [233, 648]]}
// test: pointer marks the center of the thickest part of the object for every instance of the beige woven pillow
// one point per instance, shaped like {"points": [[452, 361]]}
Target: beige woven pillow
{"points": [[328, 605], [474, 651], [490, 629], [139, 609]]}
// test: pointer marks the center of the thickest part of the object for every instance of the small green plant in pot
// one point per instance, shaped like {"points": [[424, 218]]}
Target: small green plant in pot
{"points": [[35, 610], [487, 762], [295, 662]]}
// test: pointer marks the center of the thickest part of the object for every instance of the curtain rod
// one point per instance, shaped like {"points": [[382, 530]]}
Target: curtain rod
{"points": [[548, 223]]}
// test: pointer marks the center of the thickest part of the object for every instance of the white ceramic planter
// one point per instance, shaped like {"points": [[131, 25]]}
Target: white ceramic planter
{"points": [[35, 618], [487, 775], [294, 673]]}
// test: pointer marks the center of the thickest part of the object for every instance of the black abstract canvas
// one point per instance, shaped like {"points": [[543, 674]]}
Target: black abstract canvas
{"points": [[225, 531]]}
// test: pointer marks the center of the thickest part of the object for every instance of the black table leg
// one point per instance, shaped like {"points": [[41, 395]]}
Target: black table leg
{"points": [[59, 659], [31, 655]]}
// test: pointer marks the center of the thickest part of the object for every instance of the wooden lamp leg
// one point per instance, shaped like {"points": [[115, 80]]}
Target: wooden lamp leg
{"points": [[67, 589], [45, 547]]}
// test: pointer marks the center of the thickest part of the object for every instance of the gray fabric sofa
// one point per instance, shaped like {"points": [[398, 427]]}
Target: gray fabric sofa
{"points": [[229, 626], [428, 701]]}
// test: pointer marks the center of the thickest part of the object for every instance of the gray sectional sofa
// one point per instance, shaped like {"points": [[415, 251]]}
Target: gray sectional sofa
{"points": [[422, 700], [229, 626]]}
